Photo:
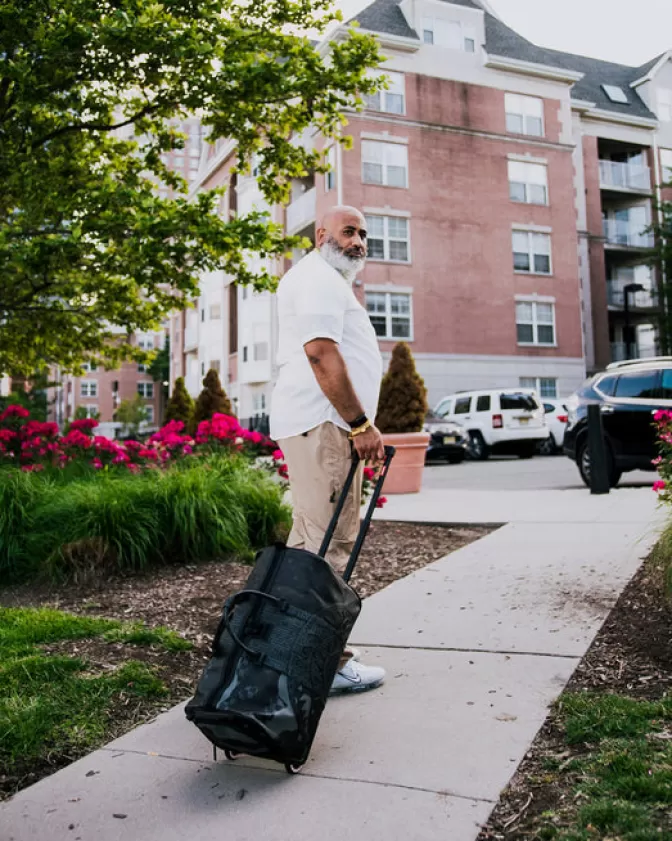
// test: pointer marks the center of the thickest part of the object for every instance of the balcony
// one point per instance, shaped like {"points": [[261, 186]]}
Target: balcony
{"points": [[301, 212], [190, 339], [621, 233], [615, 175], [618, 352], [647, 299]]}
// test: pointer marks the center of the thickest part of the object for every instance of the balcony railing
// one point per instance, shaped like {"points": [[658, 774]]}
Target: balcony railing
{"points": [[190, 338], [646, 299], [619, 232], [618, 352], [617, 175], [301, 212]]}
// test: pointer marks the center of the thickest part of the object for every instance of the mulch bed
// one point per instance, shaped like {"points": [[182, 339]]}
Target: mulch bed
{"points": [[631, 655], [189, 600]]}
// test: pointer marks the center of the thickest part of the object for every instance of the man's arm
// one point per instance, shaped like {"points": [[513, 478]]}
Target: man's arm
{"points": [[331, 373]]}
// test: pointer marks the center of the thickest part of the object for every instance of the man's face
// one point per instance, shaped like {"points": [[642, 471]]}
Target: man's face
{"points": [[347, 232]]}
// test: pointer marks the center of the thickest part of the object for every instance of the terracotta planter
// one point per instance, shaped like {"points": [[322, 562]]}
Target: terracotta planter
{"points": [[405, 476]]}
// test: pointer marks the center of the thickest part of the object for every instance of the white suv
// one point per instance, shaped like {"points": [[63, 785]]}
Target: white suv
{"points": [[505, 421]]}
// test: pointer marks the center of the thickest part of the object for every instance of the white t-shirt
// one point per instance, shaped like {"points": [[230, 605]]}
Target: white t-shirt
{"points": [[317, 302]]}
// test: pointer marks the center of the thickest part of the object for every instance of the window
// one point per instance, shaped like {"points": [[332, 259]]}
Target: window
{"points": [[448, 33], [483, 403], [178, 161], [146, 390], [535, 323], [524, 114], [259, 403], [384, 163], [666, 162], [528, 182], [330, 177], [245, 353], [90, 367], [260, 351], [607, 385], [462, 405], [517, 402], [91, 410], [202, 313], [392, 100], [531, 252], [215, 312], [215, 365], [88, 388], [642, 385], [665, 105], [666, 384], [544, 386], [149, 413], [388, 238], [390, 314], [444, 408], [615, 94], [233, 318], [202, 369], [142, 369]]}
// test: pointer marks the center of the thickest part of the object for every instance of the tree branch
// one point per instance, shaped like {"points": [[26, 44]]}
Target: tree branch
{"points": [[148, 109]]}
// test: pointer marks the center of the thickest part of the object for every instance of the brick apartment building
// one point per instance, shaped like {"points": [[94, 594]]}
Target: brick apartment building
{"points": [[100, 392], [507, 190]]}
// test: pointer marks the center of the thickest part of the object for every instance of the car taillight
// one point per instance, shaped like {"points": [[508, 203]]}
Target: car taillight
{"points": [[497, 421], [563, 418]]}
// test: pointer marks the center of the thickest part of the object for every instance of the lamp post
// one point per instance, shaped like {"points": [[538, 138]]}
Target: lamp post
{"points": [[627, 289]]}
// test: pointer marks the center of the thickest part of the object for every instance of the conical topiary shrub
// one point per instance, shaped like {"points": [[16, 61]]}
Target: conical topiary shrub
{"points": [[211, 400], [181, 405], [403, 397]]}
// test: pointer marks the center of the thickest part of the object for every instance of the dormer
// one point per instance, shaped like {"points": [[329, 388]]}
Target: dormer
{"points": [[456, 26]]}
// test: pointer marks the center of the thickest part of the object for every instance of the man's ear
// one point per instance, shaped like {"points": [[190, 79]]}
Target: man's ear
{"points": [[320, 235]]}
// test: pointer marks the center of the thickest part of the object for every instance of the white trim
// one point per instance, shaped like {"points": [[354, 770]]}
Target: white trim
{"points": [[385, 137], [535, 229], [582, 105], [389, 316], [397, 42], [621, 119], [388, 287], [544, 71], [386, 211], [527, 159], [665, 57], [535, 298]]}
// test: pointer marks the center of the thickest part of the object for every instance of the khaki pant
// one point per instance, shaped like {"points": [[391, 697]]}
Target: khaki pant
{"points": [[318, 463]]}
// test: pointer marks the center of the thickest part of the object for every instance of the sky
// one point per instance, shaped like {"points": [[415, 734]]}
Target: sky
{"points": [[624, 31]]}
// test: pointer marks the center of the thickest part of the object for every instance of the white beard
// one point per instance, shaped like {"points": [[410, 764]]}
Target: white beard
{"points": [[347, 266]]}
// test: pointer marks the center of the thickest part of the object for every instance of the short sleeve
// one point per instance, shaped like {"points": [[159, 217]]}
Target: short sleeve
{"points": [[320, 304]]}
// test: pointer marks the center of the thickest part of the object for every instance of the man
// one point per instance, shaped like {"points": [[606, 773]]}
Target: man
{"points": [[326, 398]]}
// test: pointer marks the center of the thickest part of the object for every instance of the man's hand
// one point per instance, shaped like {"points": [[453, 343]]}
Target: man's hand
{"points": [[369, 445]]}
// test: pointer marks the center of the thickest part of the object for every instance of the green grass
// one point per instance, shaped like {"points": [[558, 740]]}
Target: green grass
{"points": [[118, 522], [52, 706], [622, 777], [662, 557]]}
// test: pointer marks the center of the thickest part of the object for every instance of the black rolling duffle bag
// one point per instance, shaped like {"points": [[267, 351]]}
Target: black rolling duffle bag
{"points": [[277, 648]]}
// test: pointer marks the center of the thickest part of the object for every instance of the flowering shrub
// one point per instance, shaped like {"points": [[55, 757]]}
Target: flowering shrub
{"points": [[663, 485]]}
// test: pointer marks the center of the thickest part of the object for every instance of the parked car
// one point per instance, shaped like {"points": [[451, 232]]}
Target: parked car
{"points": [[555, 412], [505, 421], [448, 440], [629, 393]]}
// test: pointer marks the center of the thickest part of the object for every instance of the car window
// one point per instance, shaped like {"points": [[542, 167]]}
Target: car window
{"points": [[607, 385], [641, 385], [517, 402], [462, 405], [444, 408], [483, 403], [549, 408], [666, 384]]}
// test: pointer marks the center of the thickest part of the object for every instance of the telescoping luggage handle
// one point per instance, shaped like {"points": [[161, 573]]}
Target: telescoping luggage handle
{"points": [[363, 529]]}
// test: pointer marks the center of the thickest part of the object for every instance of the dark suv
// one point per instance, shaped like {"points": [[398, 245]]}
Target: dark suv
{"points": [[629, 394]]}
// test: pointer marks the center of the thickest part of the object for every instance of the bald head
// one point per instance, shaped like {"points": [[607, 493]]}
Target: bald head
{"points": [[341, 239], [336, 217]]}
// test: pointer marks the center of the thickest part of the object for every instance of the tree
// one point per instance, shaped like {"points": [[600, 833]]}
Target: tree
{"points": [[91, 96], [403, 397], [181, 405], [211, 400], [31, 393], [662, 261], [131, 413]]}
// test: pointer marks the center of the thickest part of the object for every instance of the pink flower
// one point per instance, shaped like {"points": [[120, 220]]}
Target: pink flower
{"points": [[84, 423], [278, 455], [14, 411], [382, 500], [187, 450], [657, 461], [659, 485], [369, 474], [97, 463]]}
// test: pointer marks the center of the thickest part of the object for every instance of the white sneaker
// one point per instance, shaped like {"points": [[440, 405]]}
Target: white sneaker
{"points": [[355, 677], [354, 653]]}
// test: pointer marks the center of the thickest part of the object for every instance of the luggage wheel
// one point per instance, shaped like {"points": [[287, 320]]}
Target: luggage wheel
{"points": [[231, 754], [292, 768]]}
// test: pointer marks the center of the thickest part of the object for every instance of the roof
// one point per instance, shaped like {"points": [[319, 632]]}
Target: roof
{"points": [[386, 17]]}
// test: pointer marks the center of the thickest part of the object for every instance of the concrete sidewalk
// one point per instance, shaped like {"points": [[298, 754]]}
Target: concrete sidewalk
{"points": [[477, 646]]}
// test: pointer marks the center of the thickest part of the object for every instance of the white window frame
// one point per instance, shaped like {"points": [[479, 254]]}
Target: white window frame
{"points": [[387, 239], [535, 323], [389, 315], [531, 253], [91, 409], [88, 388], [527, 175], [664, 99], [149, 409], [525, 107], [215, 312], [384, 151], [90, 367], [330, 177], [536, 384], [452, 34], [382, 100], [146, 342], [143, 388], [666, 165]]}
